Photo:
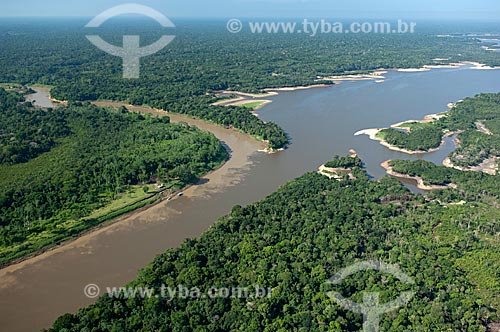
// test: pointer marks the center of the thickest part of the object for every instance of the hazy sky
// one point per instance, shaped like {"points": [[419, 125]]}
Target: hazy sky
{"points": [[432, 9]]}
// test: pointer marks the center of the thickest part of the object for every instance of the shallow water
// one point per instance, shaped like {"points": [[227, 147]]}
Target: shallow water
{"points": [[321, 123], [40, 97]]}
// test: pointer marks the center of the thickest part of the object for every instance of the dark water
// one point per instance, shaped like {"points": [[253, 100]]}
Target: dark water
{"points": [[321, 123]]}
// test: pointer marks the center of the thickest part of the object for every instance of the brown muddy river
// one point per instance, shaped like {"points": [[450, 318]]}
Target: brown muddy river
{"points": [[321, 123]]}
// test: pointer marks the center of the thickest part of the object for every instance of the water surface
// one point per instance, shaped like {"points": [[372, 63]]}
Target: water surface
{"points": [[321, 123], [41, 97]]}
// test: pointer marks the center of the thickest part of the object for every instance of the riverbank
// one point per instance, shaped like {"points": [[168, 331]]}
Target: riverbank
{"points": [[253, 104], [238, 157], [453, 65], [298, 88], [338, 173], [373, 133], [488, 166], [50, 287], [244, 98], [427, 119], [419, 181], [376, 75]]}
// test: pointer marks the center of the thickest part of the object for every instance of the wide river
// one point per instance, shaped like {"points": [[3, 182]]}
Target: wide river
{"points": [[321, 123]]}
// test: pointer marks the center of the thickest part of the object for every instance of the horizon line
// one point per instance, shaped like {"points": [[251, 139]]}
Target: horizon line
{"points": [[452, 19]]}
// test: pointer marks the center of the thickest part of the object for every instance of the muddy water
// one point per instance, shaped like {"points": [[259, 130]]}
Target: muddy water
{"points": [[321, 123]]}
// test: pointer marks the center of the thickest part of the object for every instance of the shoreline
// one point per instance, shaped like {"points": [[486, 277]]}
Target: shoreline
{"points": [[297, 88], [235, 155], [453, 65], [269, 92], [376, 75], [152, 110], [85, 248], [427, 119], [488, 166], [251, 95], [420, 182], [373, 132], [241, 101]]}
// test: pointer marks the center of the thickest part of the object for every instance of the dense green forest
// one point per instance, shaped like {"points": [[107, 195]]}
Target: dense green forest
{"points": [[205, 57], [477, 122], [59, 165], [468, 116], [420, 138], [344, 162], [471, 185], [297, 238]]}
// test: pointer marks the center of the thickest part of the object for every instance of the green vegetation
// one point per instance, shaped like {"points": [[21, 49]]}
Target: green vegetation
{"points": [[132, 196], [475, 146], [62, 169], [344, 162], [297, 238], [61, 166], [472, 185], [482, 192], [25, 134], [236, 117], [253, 105], [477, 120], [423, 137], [205, 58]]}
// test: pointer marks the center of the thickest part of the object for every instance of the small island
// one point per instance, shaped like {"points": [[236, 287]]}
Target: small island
{"points": [[410, 137], [475, 122], [341, 168]]}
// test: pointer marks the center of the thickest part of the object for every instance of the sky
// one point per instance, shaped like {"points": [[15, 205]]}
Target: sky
{"points": [[421, 9]]}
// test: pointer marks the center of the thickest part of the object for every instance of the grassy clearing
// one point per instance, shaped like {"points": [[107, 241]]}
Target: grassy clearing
{"points": [[381, 135], [131, 196], [414, 125], [253, 104], [134, 198]]}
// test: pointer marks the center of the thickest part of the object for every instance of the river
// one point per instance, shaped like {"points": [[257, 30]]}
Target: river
{"points": [[321, 123]]}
